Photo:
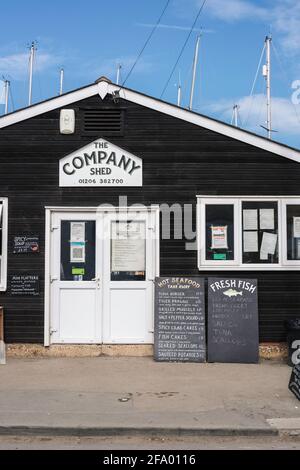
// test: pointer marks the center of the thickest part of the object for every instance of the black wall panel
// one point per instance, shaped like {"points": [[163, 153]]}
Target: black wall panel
{"points": [[180, 161]]}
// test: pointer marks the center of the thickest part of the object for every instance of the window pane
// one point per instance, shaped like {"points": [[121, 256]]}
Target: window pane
{"points": [[128, 251], [219, 232], [293, 231], [77, 250], [260, 232]]}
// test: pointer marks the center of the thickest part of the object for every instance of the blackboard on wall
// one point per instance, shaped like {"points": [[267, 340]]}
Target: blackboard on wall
{"points": [[24, 285], [179, 330], [232, 332], [294, 384]]}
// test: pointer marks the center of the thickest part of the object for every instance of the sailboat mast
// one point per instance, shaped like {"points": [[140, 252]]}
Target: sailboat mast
{"points": [[179, 90], [194, 72], [235, 115], [31, 61], [119, 66], [268, 85], [6, 95], [61, 82]]}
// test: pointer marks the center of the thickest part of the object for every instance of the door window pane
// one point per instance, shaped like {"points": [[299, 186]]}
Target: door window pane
{"points": [[128, 250], [293, 231], [219, 232], [77, 250], [260, 232]]}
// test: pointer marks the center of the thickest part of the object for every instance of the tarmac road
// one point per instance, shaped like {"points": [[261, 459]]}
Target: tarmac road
{"points": [[134, 443]]}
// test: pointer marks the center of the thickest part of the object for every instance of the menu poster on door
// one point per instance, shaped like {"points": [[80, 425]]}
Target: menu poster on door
{"points": [[77, 242], [128, 246], [219, 237], [179, 322], [232, 320]]}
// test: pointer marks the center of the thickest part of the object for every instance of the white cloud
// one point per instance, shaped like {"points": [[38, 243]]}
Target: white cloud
{"points": [[282, 15], [16, 65], [286, 21], [233, 10], [252, 111]]}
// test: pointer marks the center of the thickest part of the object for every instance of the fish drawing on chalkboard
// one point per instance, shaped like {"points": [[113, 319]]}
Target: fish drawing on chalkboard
{"points": [[232, 293]]}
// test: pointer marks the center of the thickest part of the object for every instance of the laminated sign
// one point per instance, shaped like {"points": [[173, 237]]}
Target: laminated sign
{"points": [[77, 242], [219, 237]]}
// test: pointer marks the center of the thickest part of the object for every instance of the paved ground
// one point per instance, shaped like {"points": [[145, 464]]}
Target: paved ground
{"points": [[94, 395], [135, 443]]}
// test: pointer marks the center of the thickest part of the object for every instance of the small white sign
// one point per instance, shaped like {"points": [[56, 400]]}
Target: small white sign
{"points": [[250, 242], [250, 219], [266, 219], [219, 237], [268, 245], [77, 231], [296, 227], [100, 163]]}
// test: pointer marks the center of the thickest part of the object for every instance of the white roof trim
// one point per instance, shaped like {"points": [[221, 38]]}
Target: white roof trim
{"points": [[104, 87]]}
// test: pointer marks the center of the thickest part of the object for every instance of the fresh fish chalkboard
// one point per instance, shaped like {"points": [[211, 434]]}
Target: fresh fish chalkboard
{"points": [[179, 331], [232, 320]]}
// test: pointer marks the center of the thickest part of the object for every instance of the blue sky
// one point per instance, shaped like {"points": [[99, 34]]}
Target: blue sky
{"points": [[88, 38]]}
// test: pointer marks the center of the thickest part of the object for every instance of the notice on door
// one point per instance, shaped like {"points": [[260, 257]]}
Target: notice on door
{"points": [[128, 246], [179, 326]]}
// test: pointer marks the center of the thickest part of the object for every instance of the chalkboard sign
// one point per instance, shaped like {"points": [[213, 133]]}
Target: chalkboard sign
{"points": [[232, 320], [26, 244], [24, 285], [179, 330], [294, 384]]}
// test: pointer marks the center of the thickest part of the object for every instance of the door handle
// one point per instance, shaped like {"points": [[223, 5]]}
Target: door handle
{"points": [[97, 279]]}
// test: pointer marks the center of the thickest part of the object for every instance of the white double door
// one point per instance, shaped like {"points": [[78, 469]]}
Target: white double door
{"points": [[102, 267]]}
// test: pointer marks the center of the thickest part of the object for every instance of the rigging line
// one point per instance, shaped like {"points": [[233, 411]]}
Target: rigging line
{"points": [[183, 47], [147, 41], [245, 123], [261, 106], [286, 76]]}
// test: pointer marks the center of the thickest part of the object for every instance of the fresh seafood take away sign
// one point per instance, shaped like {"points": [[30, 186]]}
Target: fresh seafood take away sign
{"points": [[232, 333]]}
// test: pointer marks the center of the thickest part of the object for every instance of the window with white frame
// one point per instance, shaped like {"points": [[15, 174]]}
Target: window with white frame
{"points": [[3, 243], [248, 233]]}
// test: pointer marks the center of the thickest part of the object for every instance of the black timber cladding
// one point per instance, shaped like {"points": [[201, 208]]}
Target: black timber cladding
{"points": [[180, 161]]}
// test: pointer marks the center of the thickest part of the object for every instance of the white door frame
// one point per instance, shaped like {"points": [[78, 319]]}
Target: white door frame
{"points": [[103, 209]]}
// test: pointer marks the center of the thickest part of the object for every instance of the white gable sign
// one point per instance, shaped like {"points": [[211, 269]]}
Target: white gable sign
{"points": [[100, 164]]}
